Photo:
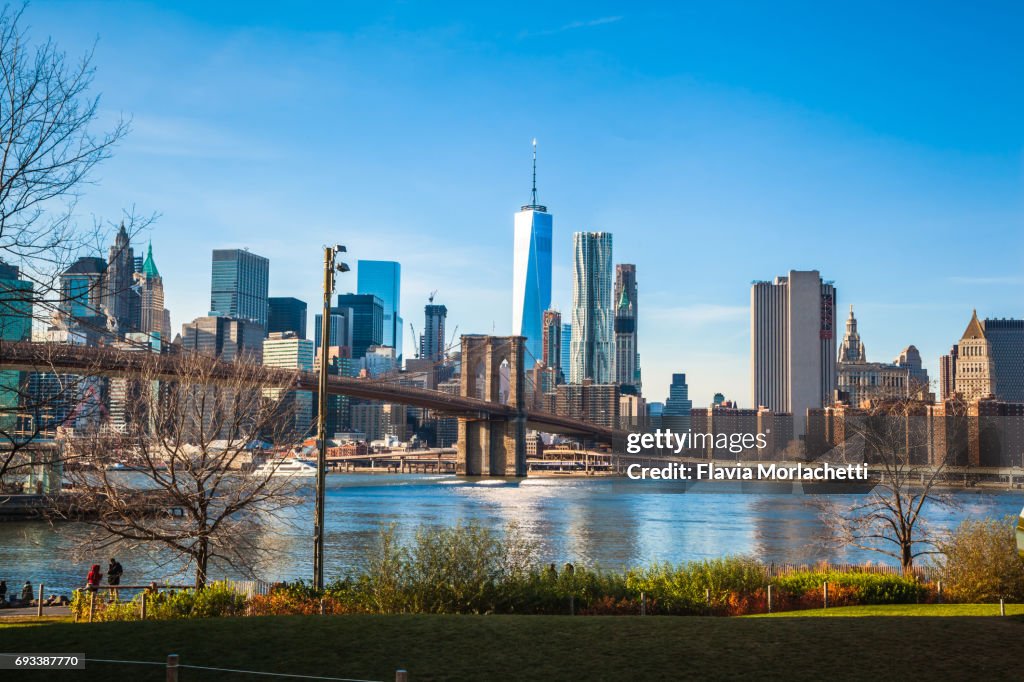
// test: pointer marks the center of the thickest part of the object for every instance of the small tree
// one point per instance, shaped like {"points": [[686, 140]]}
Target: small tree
{"points": [[980, 562], [892, 436], [192, 431]]}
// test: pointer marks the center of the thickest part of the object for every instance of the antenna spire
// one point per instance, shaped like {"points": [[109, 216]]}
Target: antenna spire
{"points": [[535, 171]]}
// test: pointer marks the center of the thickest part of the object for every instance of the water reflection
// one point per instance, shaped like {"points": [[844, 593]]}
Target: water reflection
{"points": [[607, 522]]}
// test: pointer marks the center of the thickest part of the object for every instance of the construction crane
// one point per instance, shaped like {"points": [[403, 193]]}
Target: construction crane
{"points": [[415, 339], [451, 344], [430, 299]]}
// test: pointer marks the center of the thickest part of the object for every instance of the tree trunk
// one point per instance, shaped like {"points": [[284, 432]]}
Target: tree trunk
{"points": [[202, 556]]}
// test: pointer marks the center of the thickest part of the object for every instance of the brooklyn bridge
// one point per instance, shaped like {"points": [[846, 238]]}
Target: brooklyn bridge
{"points": [[492, 405]]}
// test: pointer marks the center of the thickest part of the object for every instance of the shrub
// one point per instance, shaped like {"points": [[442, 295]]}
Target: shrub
{"points": [[981, 563]]}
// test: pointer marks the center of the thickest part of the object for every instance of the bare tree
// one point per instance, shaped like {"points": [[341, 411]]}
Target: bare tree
{"points": [[911, 451], [47, 146], [193, 432]]}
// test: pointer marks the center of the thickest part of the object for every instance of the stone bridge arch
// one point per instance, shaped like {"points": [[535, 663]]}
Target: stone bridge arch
{"points": [[493, 445]]}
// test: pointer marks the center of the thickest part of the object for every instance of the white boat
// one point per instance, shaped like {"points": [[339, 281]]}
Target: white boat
{"points": [[292, 468]]}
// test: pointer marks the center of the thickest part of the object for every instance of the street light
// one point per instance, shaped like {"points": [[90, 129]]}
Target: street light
{"points": [[330, 266]]}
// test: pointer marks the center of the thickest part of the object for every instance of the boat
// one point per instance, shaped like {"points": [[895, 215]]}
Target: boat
{"points": [[292, 468]]}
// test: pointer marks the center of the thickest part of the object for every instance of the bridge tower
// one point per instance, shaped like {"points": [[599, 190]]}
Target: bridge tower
{"points": [[493, 370]]}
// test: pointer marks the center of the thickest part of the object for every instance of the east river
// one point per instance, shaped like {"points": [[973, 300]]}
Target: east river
{"points": [[606, 522]]}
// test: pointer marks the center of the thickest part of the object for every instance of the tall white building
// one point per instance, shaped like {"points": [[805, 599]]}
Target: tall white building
{"points": [[288, 351], [531, 271], [792, 344], [592, 346]]}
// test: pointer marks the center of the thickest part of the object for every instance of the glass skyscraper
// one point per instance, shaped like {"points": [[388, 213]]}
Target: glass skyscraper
{"points": [[383, 279], [286, 314], [531, 271], [239, 285], [592, 347], [367, 321]]}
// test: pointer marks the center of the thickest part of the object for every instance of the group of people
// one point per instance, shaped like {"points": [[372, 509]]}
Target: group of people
{"points": [[92, 582]]}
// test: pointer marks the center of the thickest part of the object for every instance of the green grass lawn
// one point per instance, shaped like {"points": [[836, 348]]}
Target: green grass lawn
{"points": [[542, 647]]}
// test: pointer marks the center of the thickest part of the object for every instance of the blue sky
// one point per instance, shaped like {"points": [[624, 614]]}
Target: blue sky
{"points": [[720, 142]]}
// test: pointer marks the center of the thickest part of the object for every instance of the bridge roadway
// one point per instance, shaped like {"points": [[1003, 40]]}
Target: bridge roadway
{"points": [[107, 361]]}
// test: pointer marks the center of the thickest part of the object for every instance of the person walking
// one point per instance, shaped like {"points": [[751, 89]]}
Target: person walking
{"points": [[114, 572]]}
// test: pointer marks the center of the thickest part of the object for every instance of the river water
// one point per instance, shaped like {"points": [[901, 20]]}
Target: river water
{"points": [[606, 522]]}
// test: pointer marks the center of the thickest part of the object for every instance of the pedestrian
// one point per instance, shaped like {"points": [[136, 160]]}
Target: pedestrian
{"points": [[26, 594], [3, 593], [92, 581], [114, 571]]}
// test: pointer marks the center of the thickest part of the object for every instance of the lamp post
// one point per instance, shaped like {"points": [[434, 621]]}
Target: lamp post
{"points": [[330, 266]]}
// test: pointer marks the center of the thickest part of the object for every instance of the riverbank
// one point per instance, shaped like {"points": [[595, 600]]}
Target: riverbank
{"points": [[544, 647]]}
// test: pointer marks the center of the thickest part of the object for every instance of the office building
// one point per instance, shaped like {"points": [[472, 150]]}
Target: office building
{"points": [[383, 278], [990, 360], [589, 402], [223, 337], [152, 313], [16, 295], [531, 270], [433, 344], [566, 351], [286, 350], [239, 284], [627, 357], [947, 373], [858, 380], [676, 413], [593, 344], [551, 343], [82, 290], [128, 403], [367, 321], [286, 314], [121, 300], [792, 344], [341, 330]]}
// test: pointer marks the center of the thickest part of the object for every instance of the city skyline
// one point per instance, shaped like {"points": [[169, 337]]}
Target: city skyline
{"points": [[716, 173]]}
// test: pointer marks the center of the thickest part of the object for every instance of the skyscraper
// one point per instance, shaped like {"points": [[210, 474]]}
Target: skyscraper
{"points": [[432, 343], [531, 270], [287, 351], [341, 330], [15, 325], [151, 304], [792, 344], [676, 413], [947, 373], [224, 337], [593, 345], [286, 314], [565, 362], [988, 360], [551, 346], [239, 284], [367, 321], [120, 300], [383, 278], [627, 358]]}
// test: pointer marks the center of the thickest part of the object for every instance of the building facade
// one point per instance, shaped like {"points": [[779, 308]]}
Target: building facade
{"points": [[239, 285], [286, 314], [859, 380], [678, 407], [121, 300], [224, 337], [367, 321], [551, 343], [531, 271], [627, 357], [793, 345], [592, 351], [383, 278], [432, 342], [286, 350], [152, 313]]}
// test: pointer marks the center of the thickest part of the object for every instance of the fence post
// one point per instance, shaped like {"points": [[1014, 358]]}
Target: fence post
{"points": [[707, 598], [92, 604], [769, 597], [172, 667], [1002, 607], [39, 602], [401, 676], [643, 604], [142, 607], [824, 591]]}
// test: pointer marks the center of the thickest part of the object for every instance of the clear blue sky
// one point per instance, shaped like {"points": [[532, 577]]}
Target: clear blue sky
{"points": [[720, 142]]}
